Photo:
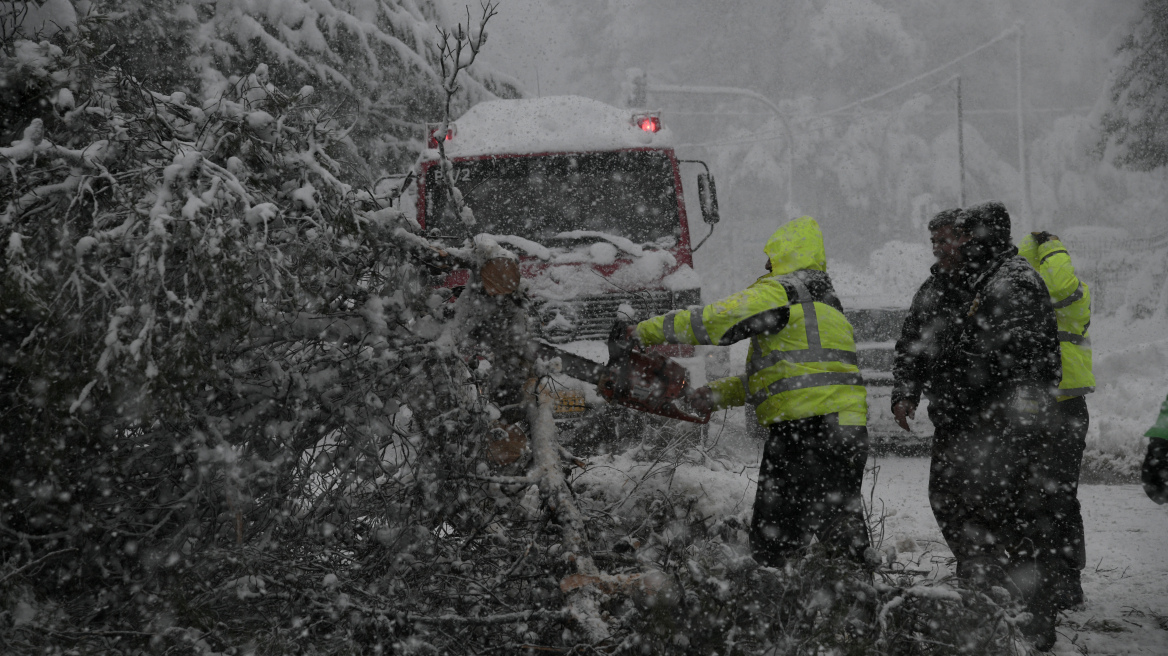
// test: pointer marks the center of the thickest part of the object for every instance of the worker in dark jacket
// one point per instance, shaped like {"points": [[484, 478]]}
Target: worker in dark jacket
{"points": [[992, 491], [923, 360], [981, 343]]}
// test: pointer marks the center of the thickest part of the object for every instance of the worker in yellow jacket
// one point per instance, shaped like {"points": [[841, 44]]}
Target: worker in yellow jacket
{"points": [[802, 375], [1062, 516]]}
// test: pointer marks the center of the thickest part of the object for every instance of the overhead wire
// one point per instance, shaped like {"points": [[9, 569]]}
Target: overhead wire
{"points": [[768, 136]]}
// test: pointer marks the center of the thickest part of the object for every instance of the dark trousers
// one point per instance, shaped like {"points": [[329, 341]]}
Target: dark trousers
{"points": [[1059, 517], [997, 495], [976, 479], [809, 486]]}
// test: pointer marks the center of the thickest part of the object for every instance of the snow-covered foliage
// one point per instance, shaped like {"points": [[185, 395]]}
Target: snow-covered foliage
{"points": [[848, 21], [893, 273], [373, 65], [703, 594], [1132, 126], [228, 382]]}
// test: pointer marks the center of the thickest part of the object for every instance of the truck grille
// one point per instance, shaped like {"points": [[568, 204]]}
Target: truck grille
{"points": [[591, 317]]}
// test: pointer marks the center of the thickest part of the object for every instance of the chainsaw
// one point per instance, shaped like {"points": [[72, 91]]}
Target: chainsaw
{"points": [[644, 381]]}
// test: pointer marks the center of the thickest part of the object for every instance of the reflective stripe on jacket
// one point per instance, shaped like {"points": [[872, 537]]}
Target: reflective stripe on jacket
{"points": [[802, 357], [1071, 298]]}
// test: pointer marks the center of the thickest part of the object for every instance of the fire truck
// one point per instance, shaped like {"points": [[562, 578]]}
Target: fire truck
{"points": [[591, 198]]}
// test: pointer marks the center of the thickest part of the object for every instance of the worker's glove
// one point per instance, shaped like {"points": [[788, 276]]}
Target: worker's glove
{"points": [[1154, 473], [903, 410], [621, 340], [702, 399]]}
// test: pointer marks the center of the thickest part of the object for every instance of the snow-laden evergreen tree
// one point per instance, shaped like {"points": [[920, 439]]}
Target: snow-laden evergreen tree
{"points": [[374, 65], [1134, 127]]}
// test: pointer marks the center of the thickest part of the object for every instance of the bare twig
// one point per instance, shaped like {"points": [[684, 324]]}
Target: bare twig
{"points": [[28, 565]]}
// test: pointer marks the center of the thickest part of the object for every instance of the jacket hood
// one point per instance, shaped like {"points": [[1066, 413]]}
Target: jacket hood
{"points": [[796, 245], [1031, 246], [988, 225]]}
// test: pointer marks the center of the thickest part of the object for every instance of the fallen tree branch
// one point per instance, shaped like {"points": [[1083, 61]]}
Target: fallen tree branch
{"points": [[35, 562], [501, 618]]}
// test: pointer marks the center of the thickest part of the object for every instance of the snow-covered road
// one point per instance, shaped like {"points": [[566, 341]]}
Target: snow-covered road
{"points": [[1126, 580]]}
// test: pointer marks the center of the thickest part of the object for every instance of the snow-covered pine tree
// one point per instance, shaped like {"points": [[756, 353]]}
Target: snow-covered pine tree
{"points": [[223, 364], [1133, 134], [377, 63]]}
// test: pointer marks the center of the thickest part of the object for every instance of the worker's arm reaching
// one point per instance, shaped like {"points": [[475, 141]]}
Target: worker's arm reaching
{"points": [[761, 308]]}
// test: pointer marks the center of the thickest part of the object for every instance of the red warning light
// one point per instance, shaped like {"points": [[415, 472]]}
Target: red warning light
{"points": [[432, 133], [647, 122]]}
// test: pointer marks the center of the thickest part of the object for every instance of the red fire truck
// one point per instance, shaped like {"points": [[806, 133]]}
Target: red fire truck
{"points": [[589, 195]]}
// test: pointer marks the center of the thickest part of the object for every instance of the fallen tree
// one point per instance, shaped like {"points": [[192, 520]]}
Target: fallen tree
{"points": [[241, 414]]}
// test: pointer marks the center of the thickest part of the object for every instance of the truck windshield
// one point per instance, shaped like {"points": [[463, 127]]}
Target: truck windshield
{"points": [[629, 194]]}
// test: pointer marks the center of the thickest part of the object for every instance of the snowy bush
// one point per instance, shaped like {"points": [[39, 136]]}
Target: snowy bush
{"points": [[225, 368], [700, 592]]}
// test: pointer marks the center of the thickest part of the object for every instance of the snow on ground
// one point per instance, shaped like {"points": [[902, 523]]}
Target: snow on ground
{"points": [[1125, 582], [1131, 375], [1126, 579]]}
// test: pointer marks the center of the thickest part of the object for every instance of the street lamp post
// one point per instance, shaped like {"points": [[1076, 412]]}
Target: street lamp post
{"points": [[788, 207]]}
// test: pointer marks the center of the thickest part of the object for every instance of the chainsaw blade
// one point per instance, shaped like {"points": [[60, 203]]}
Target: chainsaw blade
{"points": [[573, 365], [642, 381]]}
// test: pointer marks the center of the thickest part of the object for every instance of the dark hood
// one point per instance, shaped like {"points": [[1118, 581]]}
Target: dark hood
{"points": [[988, 225]]}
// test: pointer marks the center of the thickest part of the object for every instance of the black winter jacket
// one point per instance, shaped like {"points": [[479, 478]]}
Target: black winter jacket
{"points": [[971, 344], [1009, 340], [925, 358]]}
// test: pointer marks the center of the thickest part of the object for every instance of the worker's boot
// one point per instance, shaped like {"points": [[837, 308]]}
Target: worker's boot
{"points": [[1039, 585], [1041, 627], [1067, 590], [982, 573]]}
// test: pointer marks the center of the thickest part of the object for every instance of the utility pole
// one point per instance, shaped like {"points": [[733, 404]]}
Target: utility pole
{"points": [[1027, 222], [960, 149]]}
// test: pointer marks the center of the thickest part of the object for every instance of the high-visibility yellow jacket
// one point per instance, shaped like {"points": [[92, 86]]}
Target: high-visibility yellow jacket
{"points": [[802, 358], [1071, 298]]}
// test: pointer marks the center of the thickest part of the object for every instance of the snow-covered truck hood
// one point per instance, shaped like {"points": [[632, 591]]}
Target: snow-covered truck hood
{"points": [[580, 290], [608, 264]]}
